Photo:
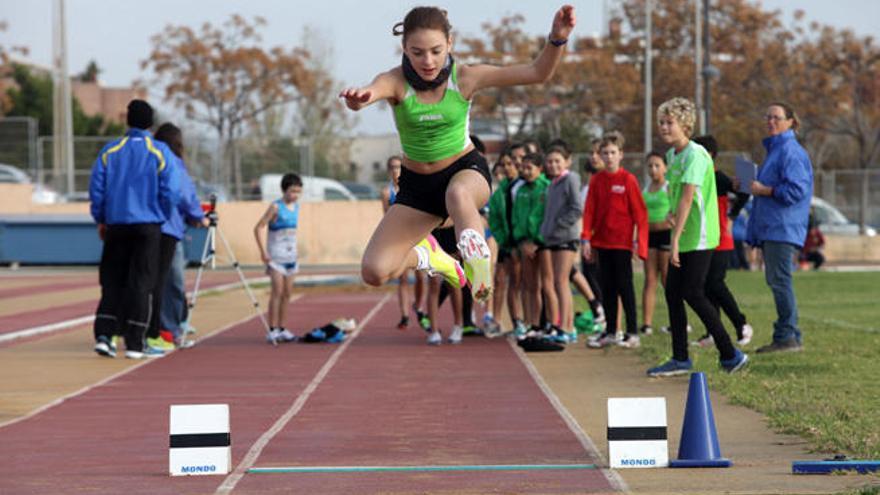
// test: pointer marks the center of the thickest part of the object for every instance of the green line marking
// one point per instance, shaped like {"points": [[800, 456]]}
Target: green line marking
{"points": [[373, 469]]}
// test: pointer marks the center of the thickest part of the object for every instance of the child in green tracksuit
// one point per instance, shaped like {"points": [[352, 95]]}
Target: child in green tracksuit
{"points": [[528, 214], [507, 269]]}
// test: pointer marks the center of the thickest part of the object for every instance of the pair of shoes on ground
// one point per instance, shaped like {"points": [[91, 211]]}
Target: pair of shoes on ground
{"points": [[746, 333], [599, 341], [668, 330], [435, 338], [675, 367], [106, 347], [280, 335]]}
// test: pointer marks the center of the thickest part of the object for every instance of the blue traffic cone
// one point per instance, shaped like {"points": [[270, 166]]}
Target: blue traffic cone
{"points": [[699, 440]]}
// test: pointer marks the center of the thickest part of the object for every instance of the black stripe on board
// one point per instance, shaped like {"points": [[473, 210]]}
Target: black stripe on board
{"points": [[200, 440], [637, 433]]}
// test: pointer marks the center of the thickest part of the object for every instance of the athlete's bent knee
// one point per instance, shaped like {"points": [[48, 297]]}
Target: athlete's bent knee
{"points": [[373, 275]]}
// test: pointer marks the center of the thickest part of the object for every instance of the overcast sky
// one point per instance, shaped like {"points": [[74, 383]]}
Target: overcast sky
{"points": [[116, 33]]}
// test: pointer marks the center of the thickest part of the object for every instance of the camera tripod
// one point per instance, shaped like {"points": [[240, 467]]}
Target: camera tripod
{"points": [[209, 256]]}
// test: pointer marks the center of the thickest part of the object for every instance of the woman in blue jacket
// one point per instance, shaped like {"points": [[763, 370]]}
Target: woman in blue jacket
{"points": [[778, 224]]}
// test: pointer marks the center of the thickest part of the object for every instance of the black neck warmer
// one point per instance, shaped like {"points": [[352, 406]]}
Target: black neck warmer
{"points": [[419, 84]]}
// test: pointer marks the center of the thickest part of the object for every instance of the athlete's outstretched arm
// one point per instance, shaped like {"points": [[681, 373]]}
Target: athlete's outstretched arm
{"points": [[382, 88], [540, 70]]}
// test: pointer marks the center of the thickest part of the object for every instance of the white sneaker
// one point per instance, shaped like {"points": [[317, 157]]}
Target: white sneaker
{"points": [[345, 324], [277, 335], [601, 340], [147, 353], [434, 338], [285, 335], [704, 341], [455, 336], [669, 329], [747, 332], [630, 341]]}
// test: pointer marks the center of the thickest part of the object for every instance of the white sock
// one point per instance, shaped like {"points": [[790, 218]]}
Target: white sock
{"points": [[471, 244], [422, 254]]}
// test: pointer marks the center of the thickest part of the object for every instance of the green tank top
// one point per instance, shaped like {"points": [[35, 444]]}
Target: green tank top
{"points": [[657, 203], [429, 133]]}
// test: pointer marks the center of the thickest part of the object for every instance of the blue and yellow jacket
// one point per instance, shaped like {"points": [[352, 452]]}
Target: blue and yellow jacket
{"points": [[131, 181], [188, 209]]}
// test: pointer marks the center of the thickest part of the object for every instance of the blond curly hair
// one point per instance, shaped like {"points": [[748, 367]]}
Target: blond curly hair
{"points": [[682, 110]]}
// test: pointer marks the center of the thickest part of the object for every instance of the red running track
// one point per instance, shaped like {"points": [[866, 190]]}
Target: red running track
{"points": [[389, 400]]}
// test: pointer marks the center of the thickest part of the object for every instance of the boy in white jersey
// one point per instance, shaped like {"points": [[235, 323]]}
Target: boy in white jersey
{"points": [[279, 253]]}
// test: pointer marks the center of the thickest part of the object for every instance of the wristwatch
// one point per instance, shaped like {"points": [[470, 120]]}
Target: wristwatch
{"points": [[557, 43]]}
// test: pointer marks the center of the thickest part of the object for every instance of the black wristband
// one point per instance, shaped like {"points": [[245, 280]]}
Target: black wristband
{"points": [[557, 43]]}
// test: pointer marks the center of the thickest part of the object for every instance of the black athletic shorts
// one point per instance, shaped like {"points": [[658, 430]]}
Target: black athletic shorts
{"points": [[564, 246], [660, 239], [427, 192]]}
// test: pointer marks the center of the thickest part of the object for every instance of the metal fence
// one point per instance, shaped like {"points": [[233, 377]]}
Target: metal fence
{"points": [[18, 143], [203, 158], [850, 190]]}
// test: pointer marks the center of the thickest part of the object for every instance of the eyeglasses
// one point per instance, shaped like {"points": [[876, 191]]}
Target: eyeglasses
{"points": [[776, 118]]}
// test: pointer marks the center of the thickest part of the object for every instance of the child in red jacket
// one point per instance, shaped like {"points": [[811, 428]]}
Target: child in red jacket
{"points": [[614, 208]]}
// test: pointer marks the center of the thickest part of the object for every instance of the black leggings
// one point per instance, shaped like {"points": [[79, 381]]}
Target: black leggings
{"points": [[128, 270], [718, 293], [687, 283], [591, 273], [616, 280]]}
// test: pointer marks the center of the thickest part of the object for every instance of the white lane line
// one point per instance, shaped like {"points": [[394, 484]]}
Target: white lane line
{"points": [[82, 320], [257, 448], [51, 327], [586, 442], [124, 372]]}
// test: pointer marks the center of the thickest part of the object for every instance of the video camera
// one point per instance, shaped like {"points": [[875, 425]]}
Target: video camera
{"points": [[210, 209]]}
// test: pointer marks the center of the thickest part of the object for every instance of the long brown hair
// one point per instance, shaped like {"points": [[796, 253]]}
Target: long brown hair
{"points": [[422, 18], [170, 134]]}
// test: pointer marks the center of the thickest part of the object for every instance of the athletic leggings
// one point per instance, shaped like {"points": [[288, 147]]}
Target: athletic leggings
{"points": [[167, 245], [686, 283], [128, 270], [616, 280], [591, 273], [718, 293]]}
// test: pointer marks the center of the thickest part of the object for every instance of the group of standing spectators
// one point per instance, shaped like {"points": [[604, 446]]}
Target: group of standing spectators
{"points": [[680, 224]]}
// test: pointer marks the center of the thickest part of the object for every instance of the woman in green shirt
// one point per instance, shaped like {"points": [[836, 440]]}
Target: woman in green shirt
{"points": [[443, 176]]}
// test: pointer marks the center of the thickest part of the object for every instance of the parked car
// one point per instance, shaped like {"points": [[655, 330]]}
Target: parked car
{"points": [[42, 194], [362, 191], [314, 189], [832, 221]]}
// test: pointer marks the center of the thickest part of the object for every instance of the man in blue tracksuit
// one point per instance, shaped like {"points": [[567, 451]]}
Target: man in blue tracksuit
{"points": [[132, 190], [778, 222]]}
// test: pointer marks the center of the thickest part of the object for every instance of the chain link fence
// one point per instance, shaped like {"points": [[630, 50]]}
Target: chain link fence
{"points": [[18, 143], [851, 190]]}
